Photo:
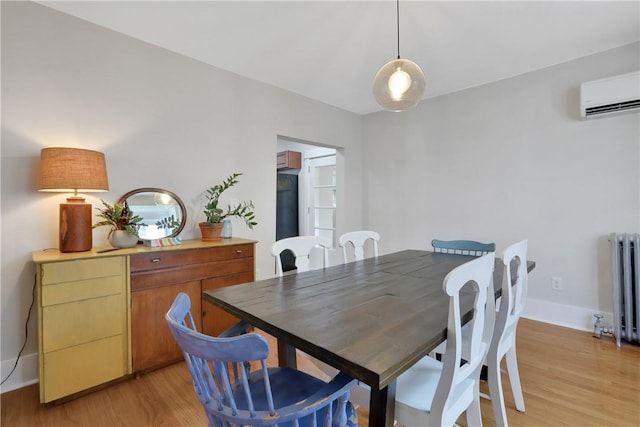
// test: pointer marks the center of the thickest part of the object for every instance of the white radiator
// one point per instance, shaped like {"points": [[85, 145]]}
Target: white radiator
{"points": [[625, 259]]}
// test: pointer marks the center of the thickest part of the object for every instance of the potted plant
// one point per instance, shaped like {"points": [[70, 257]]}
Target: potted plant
{"points": [[124, 224], [212, 227]]}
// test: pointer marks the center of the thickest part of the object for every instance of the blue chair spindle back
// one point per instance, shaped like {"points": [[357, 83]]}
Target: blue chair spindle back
{"points": [[462, 247], [233, 395]]}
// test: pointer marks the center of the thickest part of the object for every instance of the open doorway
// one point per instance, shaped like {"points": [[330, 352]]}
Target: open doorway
{"points": [[321, 204], [306, 202]]}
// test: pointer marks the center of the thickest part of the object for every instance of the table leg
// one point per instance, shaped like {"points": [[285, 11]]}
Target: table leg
{"points": [[382, 405], [286, 354]]}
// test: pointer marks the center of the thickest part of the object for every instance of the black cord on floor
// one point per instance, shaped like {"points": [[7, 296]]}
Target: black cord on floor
{"points": [[26, 332]]}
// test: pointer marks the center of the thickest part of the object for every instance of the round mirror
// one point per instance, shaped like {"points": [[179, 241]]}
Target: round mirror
{"points": [[162, 211]]}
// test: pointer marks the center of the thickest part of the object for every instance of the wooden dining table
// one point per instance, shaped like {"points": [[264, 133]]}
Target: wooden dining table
{"points": [[372, 319]]}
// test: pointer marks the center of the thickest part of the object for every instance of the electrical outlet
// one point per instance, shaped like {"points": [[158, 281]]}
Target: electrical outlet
{"points": [[556, 283]]}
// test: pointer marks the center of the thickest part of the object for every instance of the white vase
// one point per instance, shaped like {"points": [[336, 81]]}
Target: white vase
{"points": [[122, 239]]}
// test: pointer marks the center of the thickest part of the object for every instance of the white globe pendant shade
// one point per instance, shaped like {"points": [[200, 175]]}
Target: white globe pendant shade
{"points": [[399, 85]]}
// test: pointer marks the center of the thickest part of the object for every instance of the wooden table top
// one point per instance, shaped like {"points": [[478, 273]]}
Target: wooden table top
{"points": [[372, 319]]}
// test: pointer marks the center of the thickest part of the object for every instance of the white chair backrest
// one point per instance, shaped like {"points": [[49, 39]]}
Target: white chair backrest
{"points": [[358, 239], [301, 247], [479, 273], [514, 293]]}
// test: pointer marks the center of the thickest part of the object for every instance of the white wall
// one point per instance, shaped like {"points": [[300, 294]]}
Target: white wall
{"points": [[161, 119], [511, 160]]}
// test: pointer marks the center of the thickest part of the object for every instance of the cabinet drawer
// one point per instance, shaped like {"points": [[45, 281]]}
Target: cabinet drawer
{"points": [[161, 260], [66, 325], [154, 279], [60, 293], [80, 367], [71, 271], [223, 281]]}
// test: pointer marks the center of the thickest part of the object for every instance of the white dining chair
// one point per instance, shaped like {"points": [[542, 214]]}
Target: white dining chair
{"points": [[358, 239], [503, 343], [301, 247], [434, 393], [459, 247]]}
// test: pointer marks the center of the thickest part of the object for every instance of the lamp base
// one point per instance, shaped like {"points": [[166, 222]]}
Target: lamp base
{"points": [[75, 226]]}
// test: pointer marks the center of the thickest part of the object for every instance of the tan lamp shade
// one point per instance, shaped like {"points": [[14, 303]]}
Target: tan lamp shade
{"points": [[73, 170]]}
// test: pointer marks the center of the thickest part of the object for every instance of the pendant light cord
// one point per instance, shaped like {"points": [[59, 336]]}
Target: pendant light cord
{"points": [[398, 24]]}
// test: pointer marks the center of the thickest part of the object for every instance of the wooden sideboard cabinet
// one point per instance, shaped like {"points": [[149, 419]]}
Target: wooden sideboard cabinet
{"points": [[83, 322], [101, 315], [157, 277]]}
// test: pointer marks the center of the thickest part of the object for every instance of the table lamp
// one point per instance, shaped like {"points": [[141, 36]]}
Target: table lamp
{"points": [[73, 170]]}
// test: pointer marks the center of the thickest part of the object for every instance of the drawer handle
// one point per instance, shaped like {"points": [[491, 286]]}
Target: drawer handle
{"points": [[238, 251], [154, 260]]}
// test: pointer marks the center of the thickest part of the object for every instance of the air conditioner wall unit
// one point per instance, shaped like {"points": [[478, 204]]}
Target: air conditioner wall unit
{"points": [[610, 96]]}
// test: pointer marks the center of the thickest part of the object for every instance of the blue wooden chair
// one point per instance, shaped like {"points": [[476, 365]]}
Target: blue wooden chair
{"points": [[462, 247], [231, 395]]}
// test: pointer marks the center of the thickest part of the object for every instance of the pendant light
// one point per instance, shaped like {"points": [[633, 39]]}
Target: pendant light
{"points": [[399, 84]]}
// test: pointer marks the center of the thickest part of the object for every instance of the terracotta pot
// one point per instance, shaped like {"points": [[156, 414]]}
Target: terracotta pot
{"points": [[210, 232], [122, 239]]}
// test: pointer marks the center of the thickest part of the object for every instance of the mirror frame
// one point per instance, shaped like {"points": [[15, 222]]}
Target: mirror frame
{"points": [[162, 191]]}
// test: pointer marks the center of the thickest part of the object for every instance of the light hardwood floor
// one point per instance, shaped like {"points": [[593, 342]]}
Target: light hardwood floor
{"points": [[568, 377]]}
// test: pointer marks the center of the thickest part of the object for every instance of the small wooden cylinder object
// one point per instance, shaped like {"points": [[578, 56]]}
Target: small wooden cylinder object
{"points": [[75, 226]]}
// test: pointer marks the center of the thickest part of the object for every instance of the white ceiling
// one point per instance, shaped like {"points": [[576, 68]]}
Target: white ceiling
{"points": [[330, 50]]}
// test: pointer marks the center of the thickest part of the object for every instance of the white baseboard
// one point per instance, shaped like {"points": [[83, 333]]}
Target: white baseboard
{"points": [[26, 372], [569, 316]]}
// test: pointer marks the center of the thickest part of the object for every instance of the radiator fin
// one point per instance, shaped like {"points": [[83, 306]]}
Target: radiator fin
{"points": [[625, 259]]}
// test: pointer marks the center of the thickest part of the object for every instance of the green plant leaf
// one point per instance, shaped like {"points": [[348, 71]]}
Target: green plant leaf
{"points": [[119, 217], [213, 214]]}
